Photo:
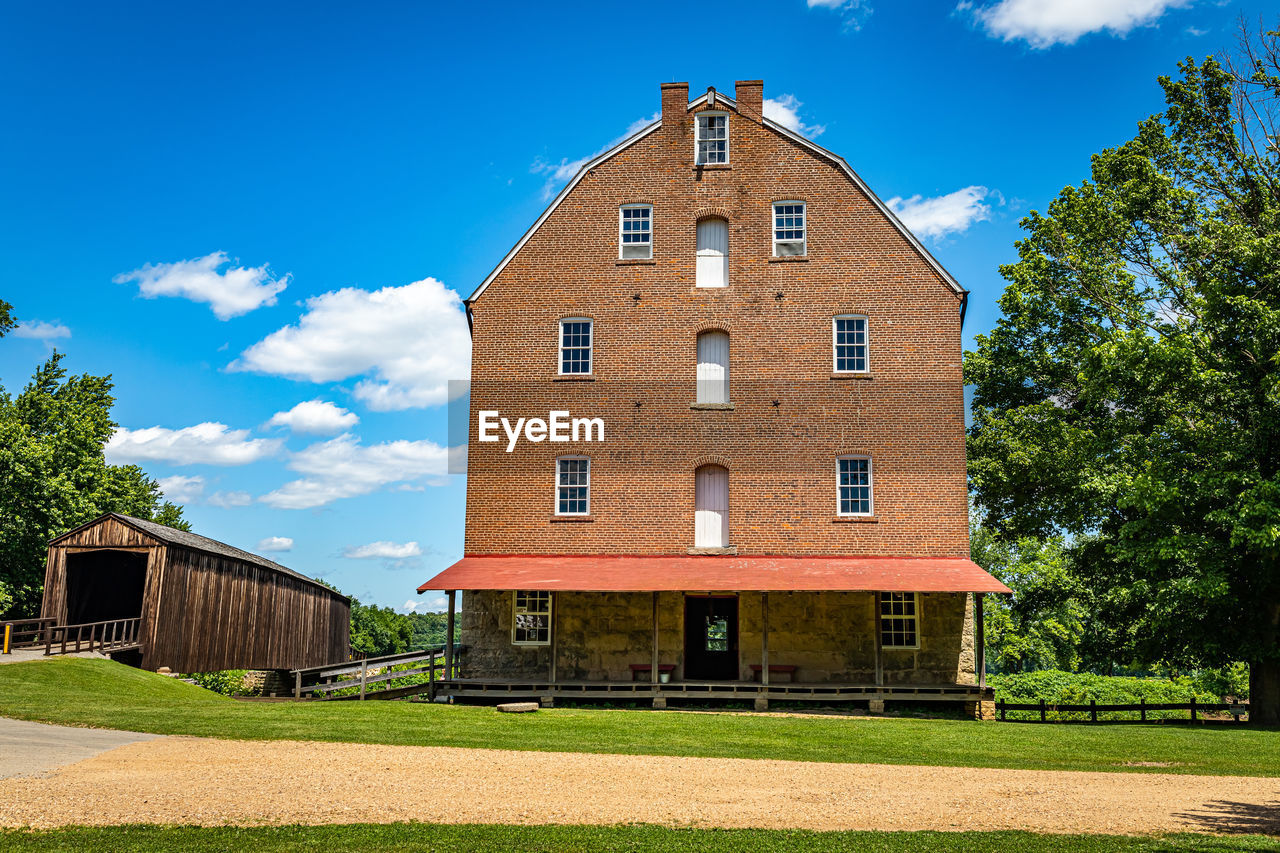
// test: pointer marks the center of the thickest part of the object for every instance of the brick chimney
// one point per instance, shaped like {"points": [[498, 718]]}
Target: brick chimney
{"points": [[750, 97], [675, 107]]}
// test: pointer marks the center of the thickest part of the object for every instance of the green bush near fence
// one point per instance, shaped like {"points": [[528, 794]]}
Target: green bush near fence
{"points": [[1056, 687], [228, 682]]}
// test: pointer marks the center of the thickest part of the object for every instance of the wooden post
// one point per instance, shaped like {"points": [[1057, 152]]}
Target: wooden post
{"points": [[875, 628], [764, 642], [1042, 710], [1000, 705], [980, 641], [1193, 709], [551, 629], [364, 675], [1142, 709], [297, 685], [448, 638], [653, 659], [1093, 710]]}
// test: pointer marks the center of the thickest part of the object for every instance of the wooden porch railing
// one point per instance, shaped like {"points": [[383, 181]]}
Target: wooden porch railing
{"points": [[113, 635], [372, 677]]}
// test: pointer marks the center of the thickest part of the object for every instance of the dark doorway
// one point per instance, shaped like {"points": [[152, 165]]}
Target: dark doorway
{"points": [[711, 638], [105, 585]]}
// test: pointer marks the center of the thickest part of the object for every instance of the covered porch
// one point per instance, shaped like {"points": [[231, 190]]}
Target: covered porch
{"points": [[678, 629]]}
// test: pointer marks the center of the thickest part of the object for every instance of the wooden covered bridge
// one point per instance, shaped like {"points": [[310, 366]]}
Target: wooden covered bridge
{"points": [[157, 597]]}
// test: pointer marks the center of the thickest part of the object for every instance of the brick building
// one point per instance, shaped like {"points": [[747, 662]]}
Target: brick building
{"points": [[777, 505]]}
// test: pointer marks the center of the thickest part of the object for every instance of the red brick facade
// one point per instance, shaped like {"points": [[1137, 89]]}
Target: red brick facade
{"points": [[791, 415]]}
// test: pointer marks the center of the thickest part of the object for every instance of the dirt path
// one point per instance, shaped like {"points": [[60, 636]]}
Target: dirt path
{"points": [[203, 781]]}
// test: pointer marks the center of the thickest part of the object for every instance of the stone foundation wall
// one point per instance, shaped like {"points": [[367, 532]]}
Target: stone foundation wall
{"points": [[827, 636]]}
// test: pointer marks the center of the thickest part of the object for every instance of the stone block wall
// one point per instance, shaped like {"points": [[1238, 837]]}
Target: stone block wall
{"points": [[828, 636]]}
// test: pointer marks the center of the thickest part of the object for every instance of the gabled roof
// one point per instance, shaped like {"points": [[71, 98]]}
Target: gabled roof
{"points": [[770, 124], [173, 536]]}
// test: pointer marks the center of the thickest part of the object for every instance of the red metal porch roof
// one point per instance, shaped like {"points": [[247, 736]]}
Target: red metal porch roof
{"points": [[634, 573]]}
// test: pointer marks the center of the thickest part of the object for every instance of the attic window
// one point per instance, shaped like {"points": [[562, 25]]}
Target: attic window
{"points": [[712, 138]]}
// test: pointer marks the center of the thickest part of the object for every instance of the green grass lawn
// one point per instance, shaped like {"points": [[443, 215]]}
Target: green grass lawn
{"points": [[108, 695], [430, 837]]}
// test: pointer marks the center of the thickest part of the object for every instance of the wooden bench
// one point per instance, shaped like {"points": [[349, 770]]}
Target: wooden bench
{"points": [[638, 669], [788, 670]]}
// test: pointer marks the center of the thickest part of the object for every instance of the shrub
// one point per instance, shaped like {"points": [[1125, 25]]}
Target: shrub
{"points": [[228, 682], [1056, 687]]}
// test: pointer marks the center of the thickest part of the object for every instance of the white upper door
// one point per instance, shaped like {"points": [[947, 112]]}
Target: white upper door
{"points": [[713, 367], [711, 507], [713, 253]]}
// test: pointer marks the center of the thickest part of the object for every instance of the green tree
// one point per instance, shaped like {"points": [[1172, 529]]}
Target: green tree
{"points": [[429, 629], [1131, 389], [377, 631], [53, 476], [1041, 625], [7, 320]]}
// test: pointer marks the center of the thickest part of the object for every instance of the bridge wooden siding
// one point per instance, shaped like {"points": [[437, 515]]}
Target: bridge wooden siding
{"points": [[206, 605]]}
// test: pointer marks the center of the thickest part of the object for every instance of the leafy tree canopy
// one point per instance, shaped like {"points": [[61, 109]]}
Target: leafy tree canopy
{"points": [[1131, 389], [7, 320], [53, 476]]}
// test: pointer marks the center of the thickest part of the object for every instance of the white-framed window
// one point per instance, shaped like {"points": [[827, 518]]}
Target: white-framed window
{"points": [[899, 620], [635, 231], [713, 367], [573, 485], [575, 345], [711, 507], [853, 486], [713, 253], [712, 137], [849, 343], [790, 236], [531, 618]]}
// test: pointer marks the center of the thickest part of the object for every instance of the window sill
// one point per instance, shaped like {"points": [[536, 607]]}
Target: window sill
{"points": [[712, 407], [851, 376], [712, 167], [636, 262], [855, 519], [727, 550], [562, 518], [789, 259], [569, 377]]}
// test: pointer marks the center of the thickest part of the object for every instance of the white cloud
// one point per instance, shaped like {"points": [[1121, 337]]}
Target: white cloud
{"points": [[180, 489], [343, 468], [559, 173], [785, 110], [854, 12], [206, 443], [947, 214], [228, 500], [276, 543], [232, 292], [315, 416], [411, 339], [1044, 23], [383, 550], [42, 331]]}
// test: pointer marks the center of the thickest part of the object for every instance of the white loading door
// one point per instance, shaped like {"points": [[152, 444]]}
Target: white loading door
{"points": [[713, 367], [711, 507], [713, 253]]}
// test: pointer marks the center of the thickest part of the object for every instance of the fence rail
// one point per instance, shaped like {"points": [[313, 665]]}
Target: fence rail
{"points": [[113, 635], [1142, 708], [320, 682], [25, 632]]}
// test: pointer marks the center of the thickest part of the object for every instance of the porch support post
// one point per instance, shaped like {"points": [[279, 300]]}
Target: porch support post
{"points": [[979, 641], [875, 630], [653, 660], [448, 637], [762, 703], [551, 665]]}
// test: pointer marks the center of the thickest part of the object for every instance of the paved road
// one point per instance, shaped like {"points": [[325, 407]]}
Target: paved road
{"points": [[31, 749]]}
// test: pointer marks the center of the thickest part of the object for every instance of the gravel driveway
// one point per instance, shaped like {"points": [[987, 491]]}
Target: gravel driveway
{"points": [[208, 782]]}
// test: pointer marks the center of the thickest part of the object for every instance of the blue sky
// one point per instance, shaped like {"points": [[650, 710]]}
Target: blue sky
{"points": [[357, 165]]}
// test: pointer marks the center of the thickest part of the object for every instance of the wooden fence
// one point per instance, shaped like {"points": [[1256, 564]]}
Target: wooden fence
{"points": [[371, 678], [26, 632], [1142, 708], [114, 635]]}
